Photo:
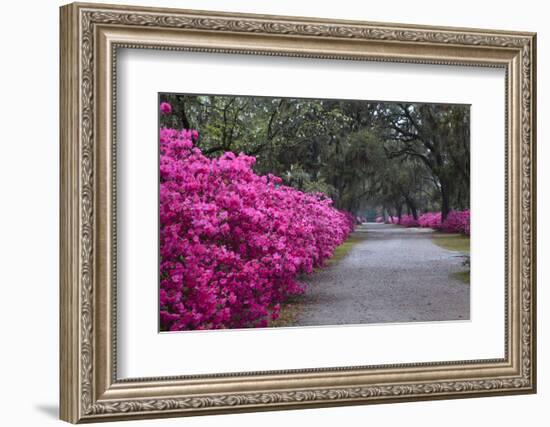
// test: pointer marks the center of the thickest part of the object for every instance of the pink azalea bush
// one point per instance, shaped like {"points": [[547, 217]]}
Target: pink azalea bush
{"points": [[409, 221], [233, 243], [351, 221], [430, 220], [456, 221], [379, 219], [392, 220]]}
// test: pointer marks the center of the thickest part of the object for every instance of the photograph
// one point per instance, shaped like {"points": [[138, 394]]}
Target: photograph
{"points": [[295, 212]]}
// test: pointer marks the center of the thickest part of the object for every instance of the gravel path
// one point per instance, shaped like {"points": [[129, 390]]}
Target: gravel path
{"points": [[395, 275]]}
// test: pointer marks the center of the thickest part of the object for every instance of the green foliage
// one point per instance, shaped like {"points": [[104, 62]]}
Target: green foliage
{"points": [[459, 243], [438, 136], [395, 158], [463, 276], [452, 242]]}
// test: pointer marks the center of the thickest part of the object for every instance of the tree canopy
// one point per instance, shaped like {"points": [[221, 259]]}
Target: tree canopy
{"points": [[367, 156]]}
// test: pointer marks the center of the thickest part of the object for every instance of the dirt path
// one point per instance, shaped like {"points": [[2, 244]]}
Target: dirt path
{"points": [[395, 275]]}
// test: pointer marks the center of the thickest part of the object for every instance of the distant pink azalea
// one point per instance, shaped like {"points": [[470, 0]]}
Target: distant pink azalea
{"points": [[456, 221]]}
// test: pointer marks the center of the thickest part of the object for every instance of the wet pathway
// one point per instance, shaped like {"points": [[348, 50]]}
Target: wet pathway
{"points": [[395, 275]]}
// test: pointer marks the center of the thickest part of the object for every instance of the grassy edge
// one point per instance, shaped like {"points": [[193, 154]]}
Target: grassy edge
{"points": [[455, 242], [452, 242], [463, 276]]}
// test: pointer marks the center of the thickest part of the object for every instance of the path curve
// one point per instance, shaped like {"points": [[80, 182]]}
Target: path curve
{"points": [[395, 275]]}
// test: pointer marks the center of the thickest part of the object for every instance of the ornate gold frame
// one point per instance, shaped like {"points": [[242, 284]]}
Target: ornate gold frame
{"points": [[90, 36]]}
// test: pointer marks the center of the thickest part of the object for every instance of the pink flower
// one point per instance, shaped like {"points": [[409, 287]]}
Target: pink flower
{"points": [[165, 108], [233, 243], [456, 221], [409, 221]]}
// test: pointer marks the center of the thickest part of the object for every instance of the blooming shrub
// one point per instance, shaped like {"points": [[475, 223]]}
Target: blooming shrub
{"points": [[409, 221], [233, 242], [392, 220], [456, 221], [379, 219], [350, 219], [430, 220]]}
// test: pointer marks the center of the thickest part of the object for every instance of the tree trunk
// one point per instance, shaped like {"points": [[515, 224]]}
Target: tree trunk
{"points": [[444, 201], [184, 120], [399, 210], [411, 206]]}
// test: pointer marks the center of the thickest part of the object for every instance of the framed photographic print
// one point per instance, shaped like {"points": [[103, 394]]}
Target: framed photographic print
{"points": [[266, 212]]}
